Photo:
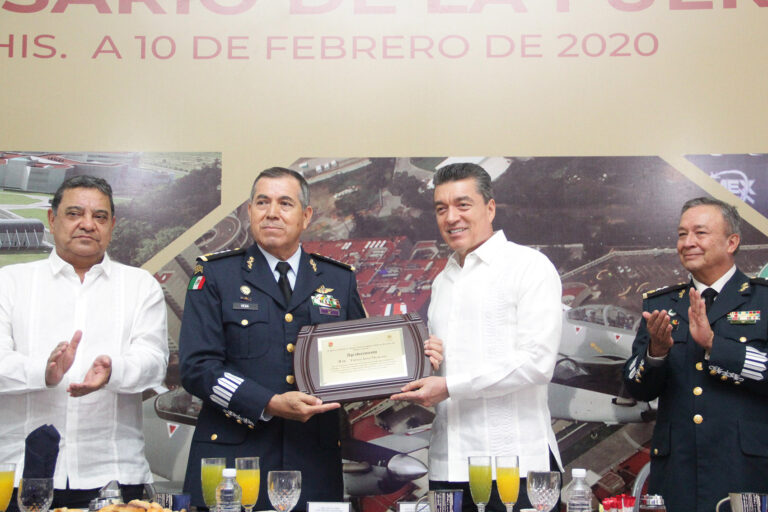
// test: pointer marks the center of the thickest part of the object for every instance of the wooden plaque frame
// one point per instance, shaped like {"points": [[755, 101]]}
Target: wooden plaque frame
{"points": [[306, 360]]}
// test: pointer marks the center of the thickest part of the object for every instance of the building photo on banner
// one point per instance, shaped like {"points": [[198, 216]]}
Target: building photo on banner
{"points": [[608, 243]]}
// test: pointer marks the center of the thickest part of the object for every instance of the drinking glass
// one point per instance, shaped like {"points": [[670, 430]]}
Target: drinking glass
{"points": [[284, 488], [543, 489], [480, 480], [7, 474], [35, 494], [508, 479], [210, 476], [249, 478]]}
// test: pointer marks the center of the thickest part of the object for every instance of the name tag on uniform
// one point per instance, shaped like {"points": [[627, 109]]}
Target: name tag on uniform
{"points": [[744, 317], [245, 305], [329, 311]]}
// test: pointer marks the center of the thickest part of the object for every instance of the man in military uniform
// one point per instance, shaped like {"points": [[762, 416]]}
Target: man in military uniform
{"points": [[701, 350], [243, 312]]}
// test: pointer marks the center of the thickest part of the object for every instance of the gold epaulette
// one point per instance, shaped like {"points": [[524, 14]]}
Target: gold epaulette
{"points": [[333, 261], [664, 289], [212, 256]]}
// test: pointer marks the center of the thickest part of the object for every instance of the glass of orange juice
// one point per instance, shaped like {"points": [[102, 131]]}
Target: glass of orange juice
{"points": [[210, 476], [249, 478], [7, 473], [508, 479]]}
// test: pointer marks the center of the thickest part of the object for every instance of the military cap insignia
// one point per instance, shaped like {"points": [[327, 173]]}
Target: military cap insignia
{"points": [[213, 256], [198, 269]]}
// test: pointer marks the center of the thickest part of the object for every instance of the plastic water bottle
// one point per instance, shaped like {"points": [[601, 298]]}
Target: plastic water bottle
{"points": [[228, 492], [579, 493]]}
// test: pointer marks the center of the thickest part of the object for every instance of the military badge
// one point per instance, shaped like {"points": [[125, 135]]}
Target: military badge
{"points": [[323, 289], [324, 300], [314, 265], [198, 269], [675, 322], [245, 290], [682, 292], [744, 287], [743, 317], [250, 263], [196, 283]]}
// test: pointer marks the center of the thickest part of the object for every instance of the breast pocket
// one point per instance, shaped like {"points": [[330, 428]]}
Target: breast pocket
{"points": [[246, 326]]}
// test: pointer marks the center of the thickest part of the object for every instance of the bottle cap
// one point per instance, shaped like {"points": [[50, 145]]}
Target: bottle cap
{"points": [[229, 473], [578, 473]]}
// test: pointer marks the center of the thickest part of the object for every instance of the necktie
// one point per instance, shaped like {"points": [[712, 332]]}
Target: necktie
{"points": [[285, 286], [709, 297]]}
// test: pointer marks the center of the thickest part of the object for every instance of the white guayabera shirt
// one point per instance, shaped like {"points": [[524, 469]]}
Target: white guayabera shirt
{"points": [[500, 319], [121, 311]]}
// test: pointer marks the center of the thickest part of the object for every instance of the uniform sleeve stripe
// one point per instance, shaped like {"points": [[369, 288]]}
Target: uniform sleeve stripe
{"points": [[749, 374], [215, 399], [755, 355], [233, 378], [223, 393], [228, 384]]}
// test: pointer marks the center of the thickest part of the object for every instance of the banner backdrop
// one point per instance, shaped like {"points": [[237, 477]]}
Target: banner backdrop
{"points": [[596, 119]]}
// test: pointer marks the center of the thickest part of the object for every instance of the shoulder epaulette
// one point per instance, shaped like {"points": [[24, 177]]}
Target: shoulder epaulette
{"points": [[759, 280], [213, 256], [333, 261], [663, 290]]}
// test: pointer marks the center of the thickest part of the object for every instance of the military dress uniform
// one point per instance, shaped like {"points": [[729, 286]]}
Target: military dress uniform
{"points": [[236, 350], [711, 433]]}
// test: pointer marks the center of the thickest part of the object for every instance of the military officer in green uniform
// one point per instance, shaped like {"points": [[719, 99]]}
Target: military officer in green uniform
{"points": [[701, 349]]}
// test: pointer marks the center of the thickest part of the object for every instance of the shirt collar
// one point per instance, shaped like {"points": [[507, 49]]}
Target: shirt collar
{"points": [[485, 252], [717, 285], [293, 261], [58, 265]]}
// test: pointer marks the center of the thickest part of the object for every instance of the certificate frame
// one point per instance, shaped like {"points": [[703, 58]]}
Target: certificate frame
{"points": [[308, 364]]}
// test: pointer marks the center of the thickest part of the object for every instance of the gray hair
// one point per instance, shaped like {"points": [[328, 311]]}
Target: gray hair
{"points": [[281, 172], [83, 181], [462, 171], [729, 212]]}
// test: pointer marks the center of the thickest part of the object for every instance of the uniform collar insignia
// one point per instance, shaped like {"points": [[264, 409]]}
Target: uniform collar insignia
{"points": [[682, 292], [250, 263], [744, 287], [314, 265]]}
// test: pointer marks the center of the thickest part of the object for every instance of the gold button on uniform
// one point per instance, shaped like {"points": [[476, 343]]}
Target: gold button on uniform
{"points": [[697, 391], [290, 347], [743, 339], [288, 317], [655, 451], [290, 379], [699, 366], [698, 419], [244, 322], [724, 378], [214, 437], [713, 372]]}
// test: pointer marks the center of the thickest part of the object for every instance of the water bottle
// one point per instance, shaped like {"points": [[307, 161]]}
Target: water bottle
{"points": [[579, 493], [228, 492]]}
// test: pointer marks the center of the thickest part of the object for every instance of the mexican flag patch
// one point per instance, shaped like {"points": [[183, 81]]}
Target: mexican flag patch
{"points": [[196, 283]]}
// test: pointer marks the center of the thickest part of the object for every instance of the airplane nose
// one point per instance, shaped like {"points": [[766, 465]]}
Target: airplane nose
{"points": [[405, 467]]}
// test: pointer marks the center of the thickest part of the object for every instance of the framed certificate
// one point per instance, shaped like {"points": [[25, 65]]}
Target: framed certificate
{"points": [[360, 359]]}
